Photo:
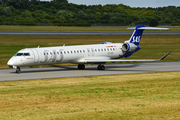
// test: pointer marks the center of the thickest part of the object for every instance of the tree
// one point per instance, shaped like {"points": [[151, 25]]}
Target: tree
{"points": [[106, 17], [7, 11], [134, 17], [23, 15], [153, 22], [81, 15], [61, 1], [167, 20], [28, 14], [46, 16]]}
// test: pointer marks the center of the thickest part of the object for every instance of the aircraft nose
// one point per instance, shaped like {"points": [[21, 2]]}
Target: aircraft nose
{"points": [[10, 62]]}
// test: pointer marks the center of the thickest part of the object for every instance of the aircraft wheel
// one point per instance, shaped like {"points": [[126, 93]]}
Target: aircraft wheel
{"points": [[81, 66], [18, 70], [101, 67]]}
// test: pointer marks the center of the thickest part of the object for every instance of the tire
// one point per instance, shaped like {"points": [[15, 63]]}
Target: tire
{"points": [[81, 66], [18, 70]]}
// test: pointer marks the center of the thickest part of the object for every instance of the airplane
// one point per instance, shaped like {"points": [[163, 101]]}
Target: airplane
{"points": [[82, 54]]}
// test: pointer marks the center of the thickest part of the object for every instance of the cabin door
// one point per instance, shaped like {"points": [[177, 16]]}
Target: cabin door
{"points": [[93, 52], [36, 55]]}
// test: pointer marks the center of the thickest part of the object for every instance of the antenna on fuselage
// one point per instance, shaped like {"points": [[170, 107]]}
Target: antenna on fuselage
{"points": [[38, 47], [64, 45]]}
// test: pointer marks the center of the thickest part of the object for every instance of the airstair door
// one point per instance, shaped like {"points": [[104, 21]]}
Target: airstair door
{"points": [[36, 55]]}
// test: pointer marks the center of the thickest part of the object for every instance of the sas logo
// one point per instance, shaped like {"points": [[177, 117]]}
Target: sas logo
{"points": [[136, 39]]}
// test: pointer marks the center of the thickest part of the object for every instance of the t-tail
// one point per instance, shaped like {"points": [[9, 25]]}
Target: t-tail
{"points": [[132, 45], [137, 34]]}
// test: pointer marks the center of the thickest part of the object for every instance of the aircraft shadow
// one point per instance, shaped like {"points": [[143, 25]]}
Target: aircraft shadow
{"points": [[74, 68]]}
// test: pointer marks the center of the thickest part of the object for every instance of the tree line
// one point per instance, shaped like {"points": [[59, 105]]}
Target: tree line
{"points": [[62, 13]]}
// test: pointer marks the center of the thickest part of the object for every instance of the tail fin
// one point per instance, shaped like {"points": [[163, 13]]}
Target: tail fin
{"points": [[136, 36]]}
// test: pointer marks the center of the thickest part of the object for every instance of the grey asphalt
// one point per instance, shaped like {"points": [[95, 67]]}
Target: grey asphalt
{"points": [[84, 33], [72, 71]]}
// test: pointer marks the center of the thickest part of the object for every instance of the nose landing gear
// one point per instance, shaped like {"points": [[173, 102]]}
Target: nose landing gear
{"points": [[18, 70]]}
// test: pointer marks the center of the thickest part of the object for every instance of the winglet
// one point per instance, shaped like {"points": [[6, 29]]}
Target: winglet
{"points": [[165, 56]]}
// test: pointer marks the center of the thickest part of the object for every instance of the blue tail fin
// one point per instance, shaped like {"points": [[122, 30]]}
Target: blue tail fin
{"points": [[136, 36]]}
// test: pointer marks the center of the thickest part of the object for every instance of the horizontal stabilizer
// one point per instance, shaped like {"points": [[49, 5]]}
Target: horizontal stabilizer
{"points": [[149, 28]]}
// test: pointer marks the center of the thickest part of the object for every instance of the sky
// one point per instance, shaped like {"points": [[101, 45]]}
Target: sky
{"points": [[131, 3]]}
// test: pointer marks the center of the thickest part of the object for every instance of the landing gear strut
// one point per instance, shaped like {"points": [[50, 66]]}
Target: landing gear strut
{"points": [[101, 67], [18, 70], [81, 66]]}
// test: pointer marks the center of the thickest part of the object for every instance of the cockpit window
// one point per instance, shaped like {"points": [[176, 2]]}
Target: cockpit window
{"points": [[19, 54], [26, 54], [22, 54]]}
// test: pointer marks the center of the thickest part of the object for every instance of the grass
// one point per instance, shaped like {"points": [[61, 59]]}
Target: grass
{"points": [[61, 28], [136, 96], [153, 46]]}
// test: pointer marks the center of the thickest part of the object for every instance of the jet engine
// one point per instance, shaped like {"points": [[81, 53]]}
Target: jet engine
{"points": [[129, 47]]}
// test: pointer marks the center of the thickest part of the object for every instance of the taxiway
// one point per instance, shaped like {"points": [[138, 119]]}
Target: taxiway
{"points": [[72, 71]]}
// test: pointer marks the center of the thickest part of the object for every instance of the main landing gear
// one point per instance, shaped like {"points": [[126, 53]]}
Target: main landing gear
{"points": [[18, 70], [101, 67], [81, 66]]}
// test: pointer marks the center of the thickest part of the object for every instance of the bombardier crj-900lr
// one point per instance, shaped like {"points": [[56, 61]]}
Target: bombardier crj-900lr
{"points": [[82, 54]]}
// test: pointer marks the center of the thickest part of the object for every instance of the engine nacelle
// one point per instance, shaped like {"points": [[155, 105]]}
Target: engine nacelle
{"points": [[129, 47]]}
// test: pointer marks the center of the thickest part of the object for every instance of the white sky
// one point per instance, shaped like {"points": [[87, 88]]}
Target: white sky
{"points": [[131, 3]]}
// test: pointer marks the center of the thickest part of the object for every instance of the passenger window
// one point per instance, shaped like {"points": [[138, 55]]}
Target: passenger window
{"points": [[44, 53], [80, 51], [77, 51], [71, 51], [95, 50], [104, 49], [64, 52], [101, 49], [54, 53], [108, 49], [68, 52], [58, 53], [114, 49], [50, 53], [111, 49], [74, 51], [84, 51]]}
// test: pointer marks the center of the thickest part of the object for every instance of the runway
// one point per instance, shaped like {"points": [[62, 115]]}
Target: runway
{"points": [[84, 33], [72, 71]]}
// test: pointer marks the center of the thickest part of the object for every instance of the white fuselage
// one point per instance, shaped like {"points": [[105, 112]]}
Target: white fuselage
{"points": [[81, 54], [66, 54]]}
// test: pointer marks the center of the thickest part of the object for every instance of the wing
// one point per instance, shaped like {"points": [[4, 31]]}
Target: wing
{"points": [[123, 60]]}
